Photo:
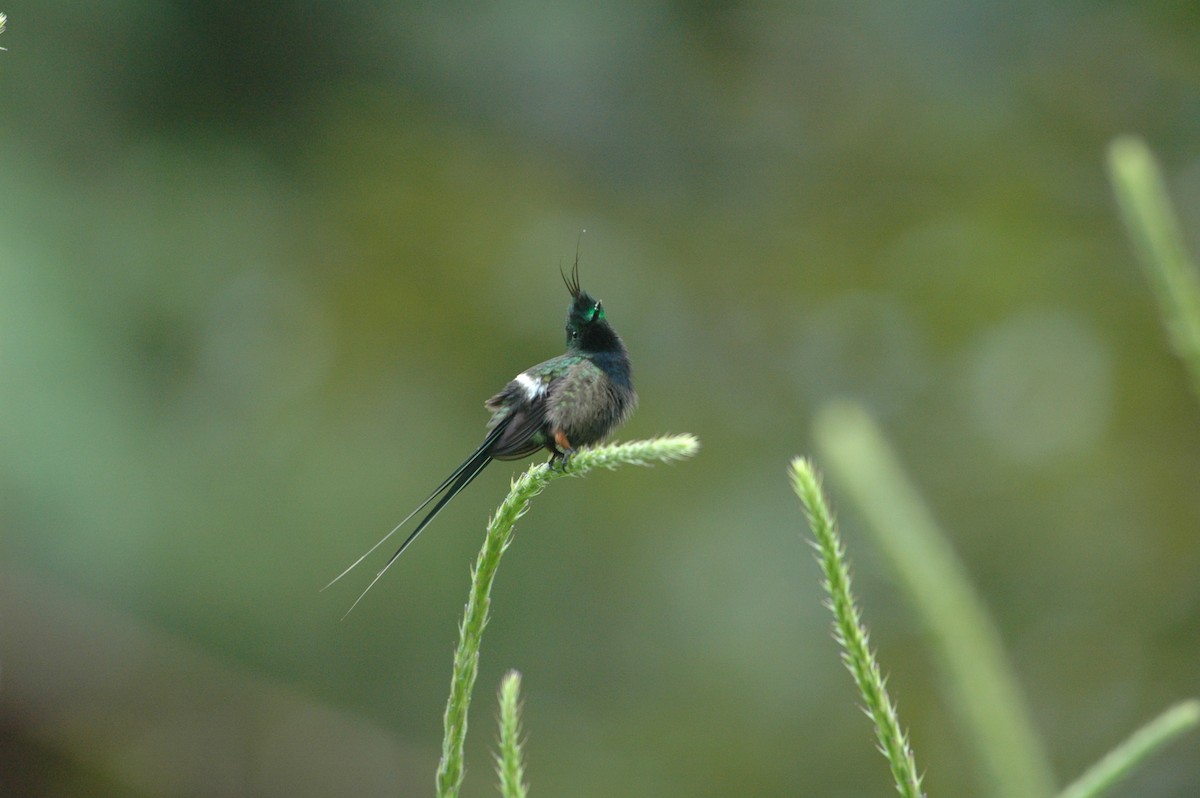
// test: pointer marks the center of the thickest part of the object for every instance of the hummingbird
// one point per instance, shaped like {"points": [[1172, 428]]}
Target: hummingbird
{"points": [[561, 405]]}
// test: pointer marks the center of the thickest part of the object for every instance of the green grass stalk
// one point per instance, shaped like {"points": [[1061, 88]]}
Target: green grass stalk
{"points": [[1180, 718], [851, 634], [510, 761], [499, 535], [983, 688], [1150, 219]]}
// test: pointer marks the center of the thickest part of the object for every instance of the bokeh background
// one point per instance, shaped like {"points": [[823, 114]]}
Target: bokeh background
{"points": [[260, 264]]}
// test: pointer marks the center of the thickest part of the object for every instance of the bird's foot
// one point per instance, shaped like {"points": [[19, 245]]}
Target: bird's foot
{"points": [[562, 451], [560, 460]]}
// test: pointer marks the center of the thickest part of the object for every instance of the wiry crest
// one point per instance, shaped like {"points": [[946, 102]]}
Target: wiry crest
{"points": [[572, 282]]}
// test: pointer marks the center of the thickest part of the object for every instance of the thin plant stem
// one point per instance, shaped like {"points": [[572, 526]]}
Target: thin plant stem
{"points": [[510, 761], [851, 633], [983, 689], [499, 535], [1119, 762], [1150, 219]]}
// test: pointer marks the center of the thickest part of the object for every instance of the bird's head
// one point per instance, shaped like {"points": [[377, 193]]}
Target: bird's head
{"points": [[587, 329]]}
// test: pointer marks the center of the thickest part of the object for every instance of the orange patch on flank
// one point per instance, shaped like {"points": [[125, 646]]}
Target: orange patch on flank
{"points": [[560, 440]]}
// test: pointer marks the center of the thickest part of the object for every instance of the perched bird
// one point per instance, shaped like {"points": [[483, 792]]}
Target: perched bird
{"points": [[562, 405]]}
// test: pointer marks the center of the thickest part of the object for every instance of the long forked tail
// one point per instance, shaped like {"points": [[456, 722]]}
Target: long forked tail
{"points": [[451, 486]]}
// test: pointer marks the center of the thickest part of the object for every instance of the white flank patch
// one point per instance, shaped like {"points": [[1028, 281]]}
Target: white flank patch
{"points": [[533, 387]]}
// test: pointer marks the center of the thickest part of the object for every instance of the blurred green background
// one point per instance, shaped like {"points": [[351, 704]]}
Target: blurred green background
{"points": [[261, 263]]}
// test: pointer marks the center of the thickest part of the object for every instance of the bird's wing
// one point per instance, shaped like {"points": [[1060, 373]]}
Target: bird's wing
{"points": [[525, 432], [522, 407]]}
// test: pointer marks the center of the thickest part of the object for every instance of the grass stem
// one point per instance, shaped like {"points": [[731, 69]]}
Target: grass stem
{"points": [[851, 634], [1118, 763], [510, 761], [983, 689], [483, 575]]}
